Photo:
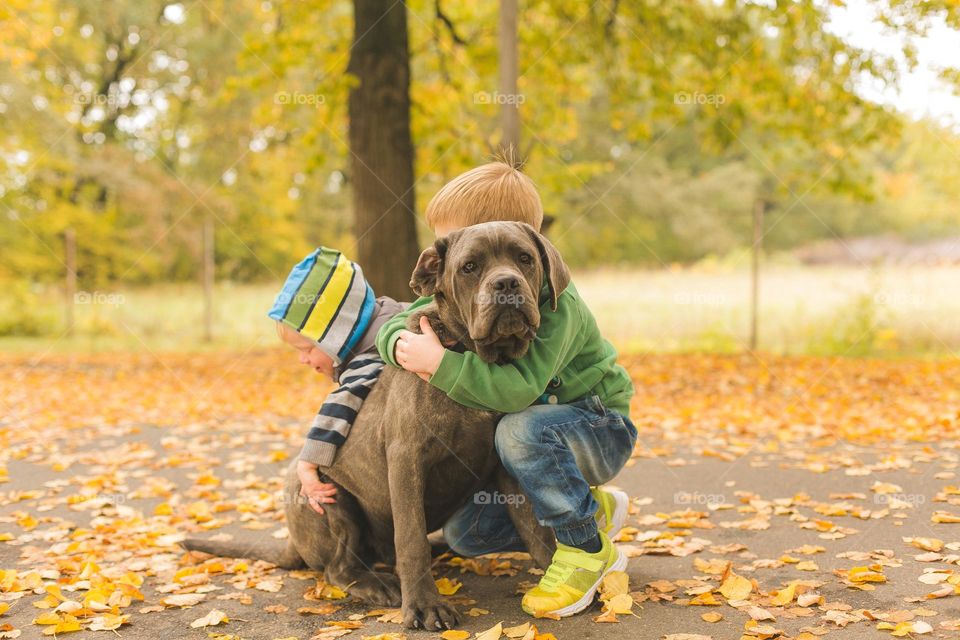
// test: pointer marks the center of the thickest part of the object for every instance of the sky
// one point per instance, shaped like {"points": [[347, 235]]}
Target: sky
{"points": [[920, 92]]}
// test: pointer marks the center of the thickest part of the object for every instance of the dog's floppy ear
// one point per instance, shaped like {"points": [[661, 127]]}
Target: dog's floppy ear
{"points": [[555, 271], [426, 275]]}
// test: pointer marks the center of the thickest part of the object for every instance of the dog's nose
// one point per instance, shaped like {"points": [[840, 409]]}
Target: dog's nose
{"points": [[506, 283]]}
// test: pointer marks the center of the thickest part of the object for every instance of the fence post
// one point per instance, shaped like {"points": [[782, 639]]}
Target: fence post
{"points": [[70, 262], [207, 276], [757, 247]]}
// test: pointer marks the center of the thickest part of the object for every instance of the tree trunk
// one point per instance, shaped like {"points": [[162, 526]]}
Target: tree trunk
{"points": [[381, 148], [509, 72]]}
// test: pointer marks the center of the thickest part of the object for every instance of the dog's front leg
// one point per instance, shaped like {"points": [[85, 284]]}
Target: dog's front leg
{"points": [[421, 603], [539, 540]]}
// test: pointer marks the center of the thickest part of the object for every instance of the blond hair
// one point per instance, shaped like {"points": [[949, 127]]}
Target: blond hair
{"points": [[492, 191], [283, 331]]}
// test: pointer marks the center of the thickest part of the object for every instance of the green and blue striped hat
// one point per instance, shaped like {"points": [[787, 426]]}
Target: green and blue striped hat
{"points": [[327, 299]]}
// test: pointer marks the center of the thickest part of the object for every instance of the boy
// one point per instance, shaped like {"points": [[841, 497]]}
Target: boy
{"points": [[327, 311], [567, 400]]}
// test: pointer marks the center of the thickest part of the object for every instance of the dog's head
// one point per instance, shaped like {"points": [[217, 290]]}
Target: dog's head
{"points": [[486, 281]]}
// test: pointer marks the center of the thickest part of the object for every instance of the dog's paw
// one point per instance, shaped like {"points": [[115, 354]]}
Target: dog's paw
{"points": [[432, 616], [381, 589]]}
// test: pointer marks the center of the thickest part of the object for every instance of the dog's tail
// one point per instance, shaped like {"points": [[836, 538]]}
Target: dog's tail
{"points": [[284, 556]]}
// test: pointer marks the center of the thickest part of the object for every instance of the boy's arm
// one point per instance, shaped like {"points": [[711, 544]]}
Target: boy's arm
{"points": [[332, 424], [390, 331], [513, 387]]}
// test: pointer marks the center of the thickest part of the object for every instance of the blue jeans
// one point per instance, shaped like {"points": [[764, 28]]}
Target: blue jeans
{"points": [[556, 452]]}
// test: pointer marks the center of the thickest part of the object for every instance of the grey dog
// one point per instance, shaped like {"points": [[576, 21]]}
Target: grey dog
{"points": [[414, 456]]}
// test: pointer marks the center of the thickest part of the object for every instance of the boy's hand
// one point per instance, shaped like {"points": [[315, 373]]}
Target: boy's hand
{"points": [[419, 353], [312, 489]]}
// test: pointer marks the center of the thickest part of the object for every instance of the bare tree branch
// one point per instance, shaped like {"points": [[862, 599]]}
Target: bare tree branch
{"points": [[611, 19], [445, 19]]}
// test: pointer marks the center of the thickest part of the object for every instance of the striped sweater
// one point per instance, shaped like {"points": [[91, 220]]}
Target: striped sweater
{"points": [[332, 424], [356, 377]]}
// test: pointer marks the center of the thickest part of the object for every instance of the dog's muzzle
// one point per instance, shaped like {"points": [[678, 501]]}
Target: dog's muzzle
{"points": [[505, 311]]}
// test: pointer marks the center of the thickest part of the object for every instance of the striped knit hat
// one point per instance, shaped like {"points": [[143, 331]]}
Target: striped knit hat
{"points": [[326, 299]]}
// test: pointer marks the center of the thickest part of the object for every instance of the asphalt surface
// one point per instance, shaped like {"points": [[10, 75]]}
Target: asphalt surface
{"points": [[687, 480]]}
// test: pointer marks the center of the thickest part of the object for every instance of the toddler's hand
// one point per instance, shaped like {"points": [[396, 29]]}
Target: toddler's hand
{"points": [[316, 492], [419, 353]]}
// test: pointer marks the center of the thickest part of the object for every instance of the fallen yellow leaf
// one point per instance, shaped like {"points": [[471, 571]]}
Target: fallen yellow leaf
{"points": [[866, 574], [212, 619], [736, 587], [108, 622], [785, 596], [621, 603], [944, 517], [927, 544], [492, 633], [448, 587], [520, 631], [614, 583]]}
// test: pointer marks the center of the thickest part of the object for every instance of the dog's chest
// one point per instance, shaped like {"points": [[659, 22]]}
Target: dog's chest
{"points": [[407, 422], [443, 428]]}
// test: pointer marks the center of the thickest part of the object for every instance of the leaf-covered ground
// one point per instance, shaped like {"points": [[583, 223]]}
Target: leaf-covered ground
{"points": [[791, 498]]}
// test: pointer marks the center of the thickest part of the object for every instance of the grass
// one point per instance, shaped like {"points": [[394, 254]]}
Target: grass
{"points": [[157, 318], [803, 310], [828, 311]]}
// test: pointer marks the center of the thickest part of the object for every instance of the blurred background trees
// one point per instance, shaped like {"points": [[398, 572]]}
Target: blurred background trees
{"points": [[652, 129]]}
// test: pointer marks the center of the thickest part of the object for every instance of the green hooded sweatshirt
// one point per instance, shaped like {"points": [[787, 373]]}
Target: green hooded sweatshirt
{"points": [[567, 361]]}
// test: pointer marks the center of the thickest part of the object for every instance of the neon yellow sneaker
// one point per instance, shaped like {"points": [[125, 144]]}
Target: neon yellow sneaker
{"points": [[572, 579], [612, 513]]}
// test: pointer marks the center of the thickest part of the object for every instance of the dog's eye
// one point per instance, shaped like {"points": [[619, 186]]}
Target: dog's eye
{"points": [[468, 267], [526, 258]]}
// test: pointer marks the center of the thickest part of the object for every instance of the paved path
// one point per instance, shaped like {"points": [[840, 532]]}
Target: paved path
{"points": [[702, 486]]}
